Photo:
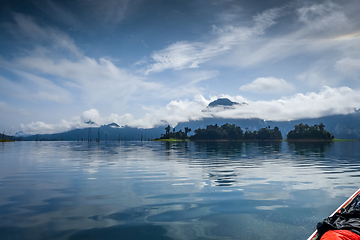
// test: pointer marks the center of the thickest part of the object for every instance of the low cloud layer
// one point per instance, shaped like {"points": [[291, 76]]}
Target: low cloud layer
{"points": [[328, 101]]}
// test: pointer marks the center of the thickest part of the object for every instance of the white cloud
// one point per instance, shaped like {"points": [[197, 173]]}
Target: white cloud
{"points": [[40, 127], [183, 54], [93, 115], [316, 32], [328, 101], [45, 89], [46, 73], [27, 27], [43, 74], [198, 76], [99, 80], [322, 16], [267, 19], [268, 85], [317, 29], [32, 88]]}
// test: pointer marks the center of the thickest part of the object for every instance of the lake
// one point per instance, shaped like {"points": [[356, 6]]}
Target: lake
{"points": [[172, 190]]}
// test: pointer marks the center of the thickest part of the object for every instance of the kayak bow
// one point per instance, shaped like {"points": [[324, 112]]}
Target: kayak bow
{"points": [[314, 236]]}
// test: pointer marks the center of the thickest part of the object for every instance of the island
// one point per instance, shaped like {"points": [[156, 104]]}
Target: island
{"points": [[226, 132], [6, 138], [233, 132], [304, 132], [173, 135]]}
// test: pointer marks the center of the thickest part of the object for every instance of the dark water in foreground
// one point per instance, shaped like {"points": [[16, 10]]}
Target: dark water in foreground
{"points": [[157, 190]]}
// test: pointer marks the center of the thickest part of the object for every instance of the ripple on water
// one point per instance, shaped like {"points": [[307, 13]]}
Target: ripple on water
{"points": [[226, 190]]}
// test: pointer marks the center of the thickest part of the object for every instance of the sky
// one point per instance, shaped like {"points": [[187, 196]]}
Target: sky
{"points": [[145, 63]]}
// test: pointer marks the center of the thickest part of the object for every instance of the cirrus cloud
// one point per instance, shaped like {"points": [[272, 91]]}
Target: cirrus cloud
{"points": [[349, 66], [183, 54]]}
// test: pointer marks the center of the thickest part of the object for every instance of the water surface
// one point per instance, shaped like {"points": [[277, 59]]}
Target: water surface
{"points": [[159, 190]]}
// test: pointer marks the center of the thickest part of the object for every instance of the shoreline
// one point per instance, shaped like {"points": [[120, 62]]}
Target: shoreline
{"points": [[243, 140], [309, 140], [170, 140], [215, 140]]}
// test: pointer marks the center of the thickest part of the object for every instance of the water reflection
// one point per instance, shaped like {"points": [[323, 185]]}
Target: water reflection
{"points": [[172, 190], [308, 148], [223, 163]]}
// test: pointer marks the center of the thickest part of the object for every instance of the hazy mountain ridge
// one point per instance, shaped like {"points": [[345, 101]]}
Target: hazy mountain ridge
{"points": [[110, 132], [7, 137], [341, 126]]}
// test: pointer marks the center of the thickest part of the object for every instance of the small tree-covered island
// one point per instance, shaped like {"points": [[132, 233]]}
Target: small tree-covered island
{"points": [[6, 138], [231, 132], [304, 132]]}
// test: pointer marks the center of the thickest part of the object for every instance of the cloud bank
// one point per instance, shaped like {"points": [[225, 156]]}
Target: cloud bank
{"points": [[328, 101]]}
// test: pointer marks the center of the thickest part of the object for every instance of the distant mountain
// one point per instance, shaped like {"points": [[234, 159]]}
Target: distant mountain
{"points": [[113, 125], [341, 126], [21, 134], [222, 102], [7, 137], [90, 122], [110, 132]]}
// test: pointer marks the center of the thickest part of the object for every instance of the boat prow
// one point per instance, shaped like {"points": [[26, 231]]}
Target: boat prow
{"points": [[343, 207]]}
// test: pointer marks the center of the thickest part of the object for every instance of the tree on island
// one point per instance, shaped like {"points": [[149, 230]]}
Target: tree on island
{"points": [[306, 132], [175, 135], [233, 132], [268, 134], [187, 130], [167, 129], [224, 132]]}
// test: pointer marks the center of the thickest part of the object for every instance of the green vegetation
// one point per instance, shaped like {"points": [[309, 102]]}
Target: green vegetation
{"points": [[7, 138], [226, 132], [174, 136], [170, 140], [306, 132], [233, 132]]}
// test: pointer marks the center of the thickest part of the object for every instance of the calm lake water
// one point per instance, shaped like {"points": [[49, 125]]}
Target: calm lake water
{"points": [[158, 190]]}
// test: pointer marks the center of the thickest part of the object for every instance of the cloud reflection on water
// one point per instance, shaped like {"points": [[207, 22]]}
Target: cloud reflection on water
{"points": [[176, 190]]}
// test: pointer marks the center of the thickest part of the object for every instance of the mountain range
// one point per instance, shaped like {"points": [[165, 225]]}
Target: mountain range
{"points": [[341, 126]]}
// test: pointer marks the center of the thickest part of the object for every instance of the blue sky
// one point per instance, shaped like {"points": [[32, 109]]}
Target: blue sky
{"points": [[143, 63]]}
